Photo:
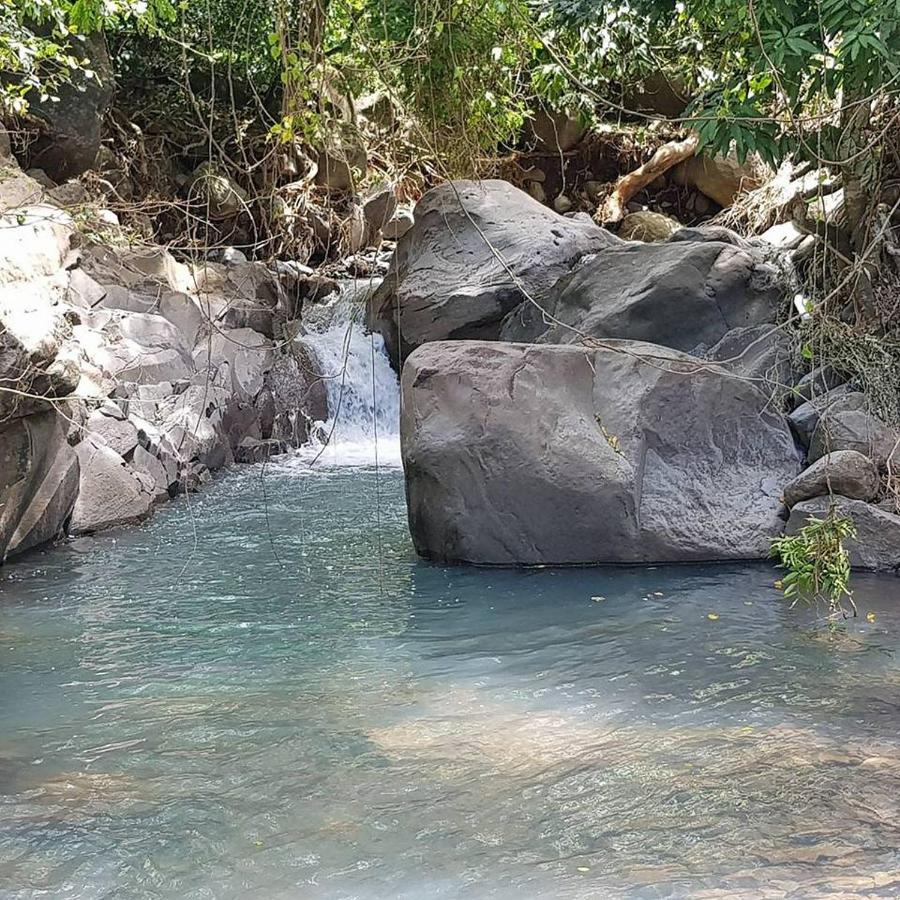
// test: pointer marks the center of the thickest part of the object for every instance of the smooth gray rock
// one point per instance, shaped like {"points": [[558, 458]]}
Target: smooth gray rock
{"points": [[109, 494], [877, 542], [235, 358], [83, 291], [379, 206], [38, 482], [518, 454], [152, 331], [463, 265], [146, 366], [193, 425], [804, 419], [844, 472], [185, 313], [854, 429], [122, 298], [677, 294], [398, 225]]}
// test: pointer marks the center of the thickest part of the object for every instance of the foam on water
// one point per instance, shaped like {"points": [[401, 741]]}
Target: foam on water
{"points": [[363, 392]]}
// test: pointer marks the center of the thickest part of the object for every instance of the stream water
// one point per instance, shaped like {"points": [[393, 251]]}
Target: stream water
{"points": [[262, 693]]}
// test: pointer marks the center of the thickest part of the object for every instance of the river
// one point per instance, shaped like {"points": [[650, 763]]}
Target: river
{"points": [[262, 693]]}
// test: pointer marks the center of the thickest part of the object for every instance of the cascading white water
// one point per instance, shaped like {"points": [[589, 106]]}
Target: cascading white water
{"points": [[363, 392]]}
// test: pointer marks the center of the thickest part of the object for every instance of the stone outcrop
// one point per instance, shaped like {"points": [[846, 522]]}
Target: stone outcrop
{"points": [[487, 261], [109, 493], [519, 454], [473, 253], [38, 481], [165, 375]]}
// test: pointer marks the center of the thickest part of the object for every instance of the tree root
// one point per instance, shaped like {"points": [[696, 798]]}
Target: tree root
{"points": [[612, 209]]}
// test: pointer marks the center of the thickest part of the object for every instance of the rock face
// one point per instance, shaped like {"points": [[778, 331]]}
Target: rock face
{"points": [[680, 294], [877, 543], [171, 379], [38, 481], [520, 454], [464, 264], [844, 472]]}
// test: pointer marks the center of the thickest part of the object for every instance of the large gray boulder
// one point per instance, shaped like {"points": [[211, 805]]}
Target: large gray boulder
{"points": [[844, 472], [681, 294], [474, 248], [518, 454], [877, 542], [38, 481]]}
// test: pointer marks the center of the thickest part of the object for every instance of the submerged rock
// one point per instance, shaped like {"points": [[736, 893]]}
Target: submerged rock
{"points": [[474, 249], [632, 453]]}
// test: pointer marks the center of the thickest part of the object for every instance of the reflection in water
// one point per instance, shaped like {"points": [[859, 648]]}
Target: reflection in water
{"points": [[263, 694]]}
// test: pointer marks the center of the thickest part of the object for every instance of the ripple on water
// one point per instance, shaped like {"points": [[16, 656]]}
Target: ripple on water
{"points": [[262, 693]]}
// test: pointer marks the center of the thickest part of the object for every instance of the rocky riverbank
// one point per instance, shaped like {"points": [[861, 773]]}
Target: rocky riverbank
{"points": [[657, 412], [129, 376]]}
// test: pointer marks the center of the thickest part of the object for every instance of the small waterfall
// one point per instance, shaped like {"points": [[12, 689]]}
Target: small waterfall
{"points": [[363, 392]]}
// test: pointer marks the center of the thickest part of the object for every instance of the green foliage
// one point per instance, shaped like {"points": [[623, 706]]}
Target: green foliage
{"points": [[39, 41], [817, 562]]}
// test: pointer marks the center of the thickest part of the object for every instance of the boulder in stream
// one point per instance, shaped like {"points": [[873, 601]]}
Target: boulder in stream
{"points": [[632, 453], [474, 249]]}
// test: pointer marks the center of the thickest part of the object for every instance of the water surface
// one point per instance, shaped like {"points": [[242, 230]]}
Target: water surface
{"points": [[263, 694]]}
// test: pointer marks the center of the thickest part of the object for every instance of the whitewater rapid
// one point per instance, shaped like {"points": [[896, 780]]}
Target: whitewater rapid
{"points": [[363, 428]]}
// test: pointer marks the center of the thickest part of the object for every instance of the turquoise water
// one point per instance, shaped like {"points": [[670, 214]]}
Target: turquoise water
{"points": [[263, 694]]}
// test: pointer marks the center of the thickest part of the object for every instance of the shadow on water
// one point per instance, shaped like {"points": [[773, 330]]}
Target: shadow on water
{"points": [[263, 693]]}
